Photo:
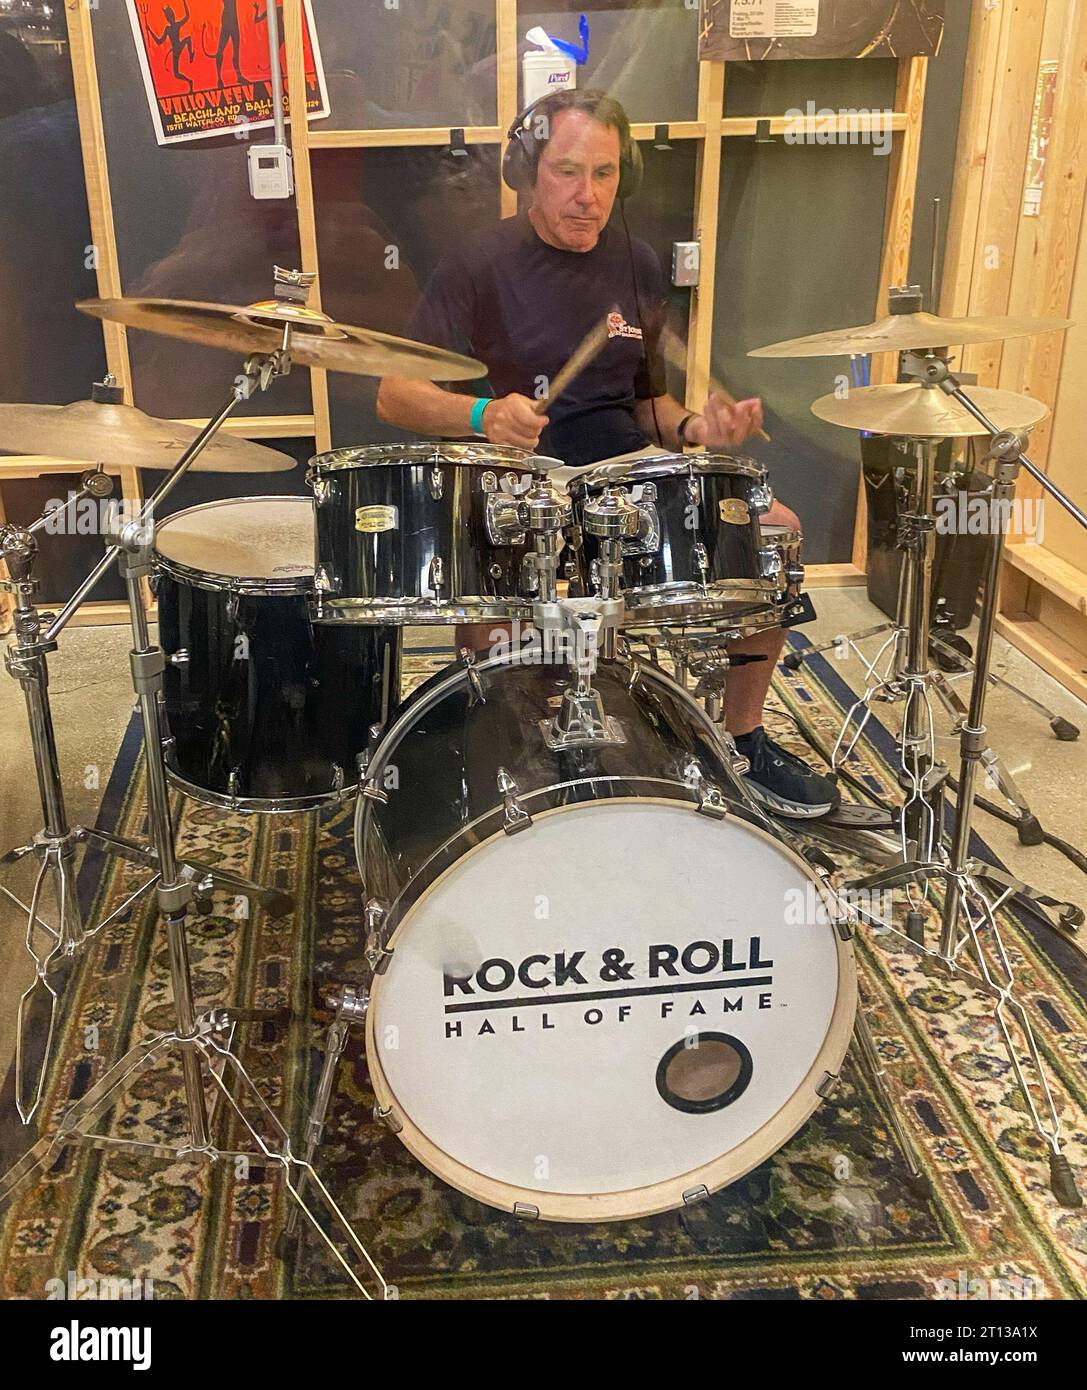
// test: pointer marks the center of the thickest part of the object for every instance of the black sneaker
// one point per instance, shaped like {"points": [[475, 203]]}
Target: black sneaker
{"points": [[784, 784]]}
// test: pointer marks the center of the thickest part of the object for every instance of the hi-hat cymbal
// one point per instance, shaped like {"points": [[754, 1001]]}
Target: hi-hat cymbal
{"points": [[316, 340], [925, 412], [95, 432], [908, 332]]}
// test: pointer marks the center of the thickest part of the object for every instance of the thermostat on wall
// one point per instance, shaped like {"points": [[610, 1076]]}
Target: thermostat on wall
{"points": [[271, 171]]}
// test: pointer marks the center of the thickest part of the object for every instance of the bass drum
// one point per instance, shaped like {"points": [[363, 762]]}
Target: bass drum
{"points": [[605, 986]]}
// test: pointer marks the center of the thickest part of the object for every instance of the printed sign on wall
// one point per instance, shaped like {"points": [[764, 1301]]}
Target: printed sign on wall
{"points": [[742, 30], [206, 65]]}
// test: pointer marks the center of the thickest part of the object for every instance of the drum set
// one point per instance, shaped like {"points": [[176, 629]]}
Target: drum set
{"points": [[578, 926]]}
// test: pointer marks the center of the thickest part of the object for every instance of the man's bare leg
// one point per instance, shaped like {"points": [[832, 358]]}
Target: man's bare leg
{"points": [[481, 637], [746, 687]]}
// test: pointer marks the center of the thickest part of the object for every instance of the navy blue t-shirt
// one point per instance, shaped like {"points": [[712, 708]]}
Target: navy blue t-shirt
{"points": [[522, 307]]}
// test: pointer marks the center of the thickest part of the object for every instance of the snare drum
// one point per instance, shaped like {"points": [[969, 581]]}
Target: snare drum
{"points": [[597, 994], [265, 710], [422, 533], [699, 552]]}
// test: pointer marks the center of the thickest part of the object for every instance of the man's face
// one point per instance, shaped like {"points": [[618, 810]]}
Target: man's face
{"points": [[576, 181]]}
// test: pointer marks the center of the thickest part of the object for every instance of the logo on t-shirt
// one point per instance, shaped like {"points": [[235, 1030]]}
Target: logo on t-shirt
{"points": [[619, 328]]}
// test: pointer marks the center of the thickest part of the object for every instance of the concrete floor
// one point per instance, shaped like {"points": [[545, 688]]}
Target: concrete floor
{"points": [[92, 702]]}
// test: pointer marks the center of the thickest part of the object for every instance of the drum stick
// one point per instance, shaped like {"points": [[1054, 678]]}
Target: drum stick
{"points": [[675, 354], [579, 359]]}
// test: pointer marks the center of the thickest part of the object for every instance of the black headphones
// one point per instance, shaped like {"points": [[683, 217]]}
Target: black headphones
{"points": [[526, 142]]}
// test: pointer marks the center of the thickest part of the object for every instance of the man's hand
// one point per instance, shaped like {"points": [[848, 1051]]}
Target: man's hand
{"points": [[512, 420], [724, 424]]}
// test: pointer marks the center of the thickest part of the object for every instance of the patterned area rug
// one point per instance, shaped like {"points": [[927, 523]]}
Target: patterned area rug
{"points": [[834, 1214]]}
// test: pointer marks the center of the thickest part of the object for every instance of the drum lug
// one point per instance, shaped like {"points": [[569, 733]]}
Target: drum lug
{"points": [[761, 498], [234, 784], [324, 490], [337, 777], [375, 951], [324, 581], [468, 657], [526, 1211], [695, 1194], [827, 1086], [437, 482], [154, 582], [711, 802], [514, 815], [694, 489], [436, 576], [385, 1115], [530, 577], [179, 658], [646, 541], [489, 483], [232, 604], [700, 559], [771, 562]]}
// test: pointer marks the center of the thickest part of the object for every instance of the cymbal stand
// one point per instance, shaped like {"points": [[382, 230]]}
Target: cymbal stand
{"points": [[202, 1043], [56, 845], [971, 946]]}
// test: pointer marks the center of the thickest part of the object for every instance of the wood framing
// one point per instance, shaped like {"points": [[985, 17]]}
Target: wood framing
{"points": [[1000, 261], [897, 236], [710, 129], [307, 219], [711, 100]]}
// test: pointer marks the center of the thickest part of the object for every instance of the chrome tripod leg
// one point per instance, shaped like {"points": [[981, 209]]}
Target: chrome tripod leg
{"points": [[350, 1006], [869, 1058], [995, 771]]}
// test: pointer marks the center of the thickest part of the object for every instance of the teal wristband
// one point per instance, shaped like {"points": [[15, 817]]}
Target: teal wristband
{"points": [[476, 418]]}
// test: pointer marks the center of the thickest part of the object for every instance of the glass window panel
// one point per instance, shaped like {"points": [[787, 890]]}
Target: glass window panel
{"points": [[384, 220], [187, 228], [661, 213], [792, 261], [195, 488], [646, 56], [65, 556], [422, 63], [771, 89], [49, 353]]}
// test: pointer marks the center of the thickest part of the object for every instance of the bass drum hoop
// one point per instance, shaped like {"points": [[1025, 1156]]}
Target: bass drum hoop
{"points": [[631, 1203], [393, 612]]}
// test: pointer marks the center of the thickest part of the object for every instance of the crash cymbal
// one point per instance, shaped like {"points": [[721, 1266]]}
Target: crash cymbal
{"points": [[925, 412], [316, 340], [908, 332], [94, 432]]}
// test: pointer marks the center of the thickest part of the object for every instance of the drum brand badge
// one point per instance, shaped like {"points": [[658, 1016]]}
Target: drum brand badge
{"points": [[734, 510], [375, 519]]}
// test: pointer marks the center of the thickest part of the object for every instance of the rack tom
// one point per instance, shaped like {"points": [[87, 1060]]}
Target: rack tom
{"points": [[423, 533], [699, 552]]}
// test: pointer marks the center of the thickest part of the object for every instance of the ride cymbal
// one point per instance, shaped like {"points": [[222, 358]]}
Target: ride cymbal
{"points": [[925, 412], [99, 432], [316, 340], [906, 333]]}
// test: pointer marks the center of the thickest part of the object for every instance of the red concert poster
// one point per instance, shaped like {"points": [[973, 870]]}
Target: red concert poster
{"points": [[206, 65]]}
